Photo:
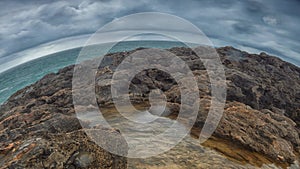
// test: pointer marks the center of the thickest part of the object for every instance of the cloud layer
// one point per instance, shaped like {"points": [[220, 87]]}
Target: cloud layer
{"points": [[256, 25]]}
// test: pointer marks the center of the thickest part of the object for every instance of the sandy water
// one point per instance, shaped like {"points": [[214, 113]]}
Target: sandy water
{"points": [[187, 154]]}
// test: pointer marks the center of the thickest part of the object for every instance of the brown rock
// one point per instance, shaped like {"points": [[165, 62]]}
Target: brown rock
{"points": [[261, 115]]}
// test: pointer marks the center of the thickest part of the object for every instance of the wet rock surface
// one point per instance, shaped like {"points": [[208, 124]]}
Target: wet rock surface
{"points": [[261, 113]]}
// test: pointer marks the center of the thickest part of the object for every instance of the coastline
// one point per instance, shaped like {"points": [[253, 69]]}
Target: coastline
{"points": [[52, 94]]}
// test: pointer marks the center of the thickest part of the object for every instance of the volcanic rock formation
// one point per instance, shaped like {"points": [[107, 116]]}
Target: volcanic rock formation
{"points": [[39, 129]]}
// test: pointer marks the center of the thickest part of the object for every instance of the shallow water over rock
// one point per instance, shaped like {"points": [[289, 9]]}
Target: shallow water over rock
{"points": [[188, 153]]}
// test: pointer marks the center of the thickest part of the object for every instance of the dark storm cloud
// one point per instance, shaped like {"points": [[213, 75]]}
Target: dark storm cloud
{"points": [[265, 25], [34, 24], [242, 27]]}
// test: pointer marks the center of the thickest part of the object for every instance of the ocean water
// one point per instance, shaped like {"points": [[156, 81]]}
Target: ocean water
{"points": [[23, 75]]}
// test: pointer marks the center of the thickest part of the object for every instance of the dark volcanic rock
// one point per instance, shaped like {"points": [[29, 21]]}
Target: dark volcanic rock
{"points": [[263, 82], [262, 99], [38, 127]]}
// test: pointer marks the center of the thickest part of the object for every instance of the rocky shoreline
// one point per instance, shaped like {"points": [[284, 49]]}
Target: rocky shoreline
{"points": [[39, 129]]}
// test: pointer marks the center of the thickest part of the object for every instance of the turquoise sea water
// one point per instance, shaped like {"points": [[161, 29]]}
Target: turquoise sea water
{"points": [[23, 75]]}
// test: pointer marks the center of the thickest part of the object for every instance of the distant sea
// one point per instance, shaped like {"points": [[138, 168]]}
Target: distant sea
{"points": [[28, 73]]}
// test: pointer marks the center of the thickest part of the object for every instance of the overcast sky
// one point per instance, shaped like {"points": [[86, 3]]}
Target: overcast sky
{"points": [[30, 29]]}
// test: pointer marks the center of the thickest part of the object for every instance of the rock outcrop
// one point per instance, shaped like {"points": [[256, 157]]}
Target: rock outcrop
{"points": [[263, 131], [38, 127]]}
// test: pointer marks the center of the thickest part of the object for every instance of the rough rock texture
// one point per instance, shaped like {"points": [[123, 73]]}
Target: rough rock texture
{"points": [[39, 129], [263, 82], [261, 114], [69, 150], [263, 131], [262, 98]]}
